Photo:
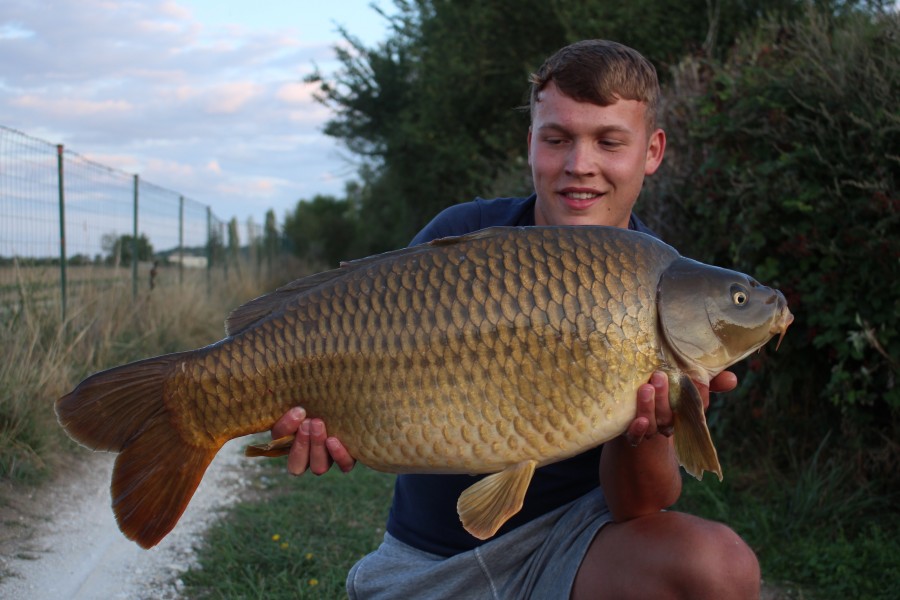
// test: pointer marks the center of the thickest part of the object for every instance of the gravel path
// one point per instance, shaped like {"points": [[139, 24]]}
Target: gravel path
{"points": [[61, 540]]}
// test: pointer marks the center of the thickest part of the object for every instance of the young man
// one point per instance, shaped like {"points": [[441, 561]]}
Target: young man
{"points": [[593, 138]]}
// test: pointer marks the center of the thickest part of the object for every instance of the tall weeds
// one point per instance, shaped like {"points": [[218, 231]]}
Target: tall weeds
{"points": [[42, 357]]}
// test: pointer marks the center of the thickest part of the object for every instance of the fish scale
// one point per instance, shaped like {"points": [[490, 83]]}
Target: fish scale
{"points": [[495, 352], [532, 355]]}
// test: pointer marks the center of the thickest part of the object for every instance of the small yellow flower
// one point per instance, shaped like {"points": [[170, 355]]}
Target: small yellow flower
{"points": [[309, 556], [284, 545], [276, 537], [313, 582]]}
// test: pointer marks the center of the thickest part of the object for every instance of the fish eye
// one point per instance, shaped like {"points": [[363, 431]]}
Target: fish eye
{"points": [[739, 295]]}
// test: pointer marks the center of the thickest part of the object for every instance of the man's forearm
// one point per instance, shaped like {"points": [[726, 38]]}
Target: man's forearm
{"points": [[639, 480]]}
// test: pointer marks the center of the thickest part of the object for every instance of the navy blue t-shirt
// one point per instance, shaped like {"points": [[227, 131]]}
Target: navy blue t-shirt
{"points": [[423, 513]]}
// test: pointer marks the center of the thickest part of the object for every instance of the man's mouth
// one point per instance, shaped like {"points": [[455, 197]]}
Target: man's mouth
{"points": [[582, 195], [580, 199]]}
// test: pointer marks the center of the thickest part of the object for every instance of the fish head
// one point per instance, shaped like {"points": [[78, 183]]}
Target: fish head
{"points": [[711, 318]]}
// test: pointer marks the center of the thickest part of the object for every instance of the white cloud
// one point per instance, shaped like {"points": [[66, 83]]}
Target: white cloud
{"points": [[229, 98], [70, 108], [215, 110], [296, 93]]}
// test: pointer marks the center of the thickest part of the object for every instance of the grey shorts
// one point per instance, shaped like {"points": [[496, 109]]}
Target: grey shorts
{"points": [[537, 560]]}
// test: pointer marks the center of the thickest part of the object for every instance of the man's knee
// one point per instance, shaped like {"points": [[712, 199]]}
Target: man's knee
{"points": [[718, 563], [668, 555]]}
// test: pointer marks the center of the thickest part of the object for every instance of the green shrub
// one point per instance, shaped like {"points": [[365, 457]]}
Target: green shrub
{"points": [[784, 162]]}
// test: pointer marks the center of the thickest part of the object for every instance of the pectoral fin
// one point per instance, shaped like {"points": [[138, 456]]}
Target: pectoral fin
{"points": [[693, 444], [485, 506], [279, 447]]}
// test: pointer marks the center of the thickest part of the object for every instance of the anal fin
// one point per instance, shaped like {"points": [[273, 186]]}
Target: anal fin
{"points": [[486, 505], [279, 447]]}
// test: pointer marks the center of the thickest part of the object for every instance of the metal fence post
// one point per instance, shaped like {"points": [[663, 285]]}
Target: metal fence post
{"points": [[181, 240], [134, 243], [62, 228], [209, 250]]}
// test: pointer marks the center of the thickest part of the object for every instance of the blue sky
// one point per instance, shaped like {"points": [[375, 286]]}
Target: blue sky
{"points": [[199, 96]]}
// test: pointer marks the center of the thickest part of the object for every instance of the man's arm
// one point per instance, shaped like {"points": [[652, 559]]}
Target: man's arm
{"points": [[638, 470]]}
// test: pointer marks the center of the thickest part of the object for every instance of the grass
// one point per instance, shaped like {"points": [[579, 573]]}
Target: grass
{"points": [[298, 540], [42, 357], [818, 532]]}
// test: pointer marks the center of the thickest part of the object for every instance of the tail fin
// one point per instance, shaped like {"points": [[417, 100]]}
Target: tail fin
{"points": [[157, 471], [693, 445]]}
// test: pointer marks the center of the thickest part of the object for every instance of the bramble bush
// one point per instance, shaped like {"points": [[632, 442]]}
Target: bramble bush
{"points": [[784, 162]]}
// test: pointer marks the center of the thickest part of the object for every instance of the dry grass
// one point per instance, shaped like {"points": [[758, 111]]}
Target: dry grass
{"points": [[42, 357]]}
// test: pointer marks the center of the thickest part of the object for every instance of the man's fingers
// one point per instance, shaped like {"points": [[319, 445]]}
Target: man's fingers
{"points": [[319, 459], [663, 416], [339, 454], [288, 423], [644, 419], [298, 457], [723, 382]]}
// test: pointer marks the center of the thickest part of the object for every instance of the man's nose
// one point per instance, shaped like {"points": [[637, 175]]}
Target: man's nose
{"points": [[582, 160]]}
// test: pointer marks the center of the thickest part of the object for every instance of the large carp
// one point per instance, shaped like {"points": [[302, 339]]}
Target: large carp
{"points": [[495, 352]]}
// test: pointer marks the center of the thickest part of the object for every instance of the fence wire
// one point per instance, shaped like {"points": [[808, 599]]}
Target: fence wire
{"points": [[66, 221], [29, 196]]}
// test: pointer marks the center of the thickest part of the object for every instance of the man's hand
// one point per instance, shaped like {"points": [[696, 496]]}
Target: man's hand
{"points": [[643, 480], [654, 415], [312, 448]]}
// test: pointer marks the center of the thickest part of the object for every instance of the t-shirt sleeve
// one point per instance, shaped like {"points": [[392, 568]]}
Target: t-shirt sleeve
{"points": [[458, 219], [467, 217]]}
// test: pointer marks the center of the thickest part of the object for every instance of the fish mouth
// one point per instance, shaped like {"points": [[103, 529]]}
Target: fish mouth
{"points": [[782, 321]]}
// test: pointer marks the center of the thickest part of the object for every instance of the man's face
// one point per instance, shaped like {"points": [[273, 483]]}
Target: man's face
{"points": [[588, 161]]}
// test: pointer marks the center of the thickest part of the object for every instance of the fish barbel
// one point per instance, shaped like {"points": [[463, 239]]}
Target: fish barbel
{"points": [[495, 352]]}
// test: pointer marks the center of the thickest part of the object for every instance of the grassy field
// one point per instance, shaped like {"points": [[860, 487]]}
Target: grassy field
{"points": [[40, 284]]}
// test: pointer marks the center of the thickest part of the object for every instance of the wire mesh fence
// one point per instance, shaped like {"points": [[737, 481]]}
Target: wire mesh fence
{"points": [[67, 223]]}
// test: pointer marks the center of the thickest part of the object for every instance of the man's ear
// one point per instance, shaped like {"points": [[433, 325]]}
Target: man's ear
{"points": [[656, 148], [528, 141]]}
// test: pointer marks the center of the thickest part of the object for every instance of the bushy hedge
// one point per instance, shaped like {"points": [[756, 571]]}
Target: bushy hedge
{"points": [[784, 162]]}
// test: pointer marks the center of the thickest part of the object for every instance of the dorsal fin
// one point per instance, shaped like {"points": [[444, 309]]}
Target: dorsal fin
{"points": [[444, 241], [475, 235], [251, 313], [254, 311]]}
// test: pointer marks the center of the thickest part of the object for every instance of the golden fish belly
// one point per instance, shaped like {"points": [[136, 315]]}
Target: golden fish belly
{"points": [[464, 358]]}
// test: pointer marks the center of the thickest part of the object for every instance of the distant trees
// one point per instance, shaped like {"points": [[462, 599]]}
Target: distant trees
{"points": [[323, 230], [120, 249]]}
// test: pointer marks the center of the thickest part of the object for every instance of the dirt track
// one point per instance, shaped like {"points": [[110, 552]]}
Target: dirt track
{"points": [[61, 540]]}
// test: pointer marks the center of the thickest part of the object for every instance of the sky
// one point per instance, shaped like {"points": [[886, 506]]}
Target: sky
{"points": [[203, 97]]}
